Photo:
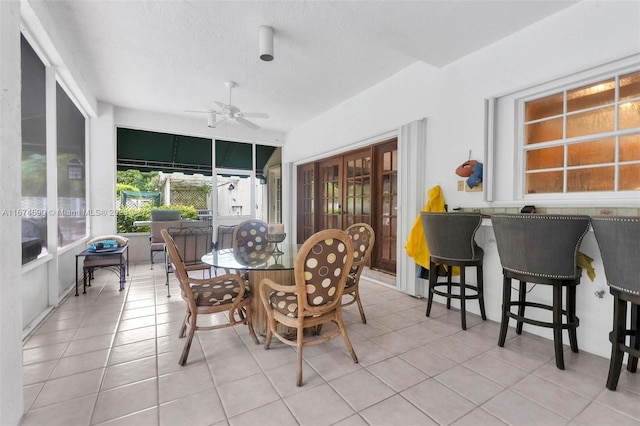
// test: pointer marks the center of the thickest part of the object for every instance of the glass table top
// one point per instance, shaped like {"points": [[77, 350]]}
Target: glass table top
{"points": [[283, 257]]}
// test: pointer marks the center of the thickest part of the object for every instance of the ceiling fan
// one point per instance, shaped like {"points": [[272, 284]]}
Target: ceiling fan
{"points": [[231, 112]]}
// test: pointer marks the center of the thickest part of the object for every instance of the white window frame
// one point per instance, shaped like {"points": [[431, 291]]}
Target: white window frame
{"points": [[498, 140]]}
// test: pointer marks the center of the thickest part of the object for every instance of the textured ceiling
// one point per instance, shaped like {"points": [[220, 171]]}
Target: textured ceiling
{"points": [[172, 56]]}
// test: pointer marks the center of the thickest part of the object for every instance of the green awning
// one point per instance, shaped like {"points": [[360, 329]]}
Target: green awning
{"points": [[153, 151]]}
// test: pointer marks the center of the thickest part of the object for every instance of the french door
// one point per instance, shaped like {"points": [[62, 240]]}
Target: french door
{"points": [[358, 186]]}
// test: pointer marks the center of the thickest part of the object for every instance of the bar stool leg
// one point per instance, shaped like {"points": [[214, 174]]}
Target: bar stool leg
{"points": [[557, 325], [506, 307], [433, 276], [463, 295], [617, 338], [449, 273], [632, 362], [571, 317], [522, 299], [480, 282]]}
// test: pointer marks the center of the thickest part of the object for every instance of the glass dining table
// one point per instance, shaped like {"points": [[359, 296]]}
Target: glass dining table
{"points": [[276, 265]]}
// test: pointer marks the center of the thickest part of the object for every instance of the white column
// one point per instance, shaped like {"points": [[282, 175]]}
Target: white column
{"points": [[11, 380], [101, 173]]}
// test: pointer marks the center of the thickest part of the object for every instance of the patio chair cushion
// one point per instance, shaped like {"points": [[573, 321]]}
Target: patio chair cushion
{"points": [[216, 293], [285, 303]]}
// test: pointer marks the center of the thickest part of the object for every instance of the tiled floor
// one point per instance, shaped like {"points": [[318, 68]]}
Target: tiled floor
{"points": [[110, 357]]}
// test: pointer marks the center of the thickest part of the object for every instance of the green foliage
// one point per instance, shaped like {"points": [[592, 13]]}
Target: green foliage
{"points": [[125, 187], [144, 181], [126, 217]]}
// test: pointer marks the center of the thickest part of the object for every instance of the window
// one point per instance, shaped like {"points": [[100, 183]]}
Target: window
{"points": [[583, 139]]}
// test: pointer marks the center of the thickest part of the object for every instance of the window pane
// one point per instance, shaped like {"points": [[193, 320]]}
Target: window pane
{"points": [[629, 115], [71, 176], [629, 177], [545, 107], [545, 182], [590, 96], [546, 158], [34, 160], [544, 131], [595, 152], [630, 86], [234, 195], [630, 147], [595, 179], [590, 122]]}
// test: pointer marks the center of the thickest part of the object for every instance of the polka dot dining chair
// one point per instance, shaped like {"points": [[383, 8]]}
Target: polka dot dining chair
{"points": [[321, 270]]}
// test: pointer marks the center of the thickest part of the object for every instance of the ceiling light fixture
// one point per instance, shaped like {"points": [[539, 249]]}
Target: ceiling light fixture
{"points": [[266, 43]]}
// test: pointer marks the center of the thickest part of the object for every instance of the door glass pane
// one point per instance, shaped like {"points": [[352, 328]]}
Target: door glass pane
{"points": [[629, 177], [629, 115], [544, 107], [543, 131], [595, 152], [546, 158], [630, 147], [630, 86], [594, 179], [544, 182], [590, 122], [590, 96]]}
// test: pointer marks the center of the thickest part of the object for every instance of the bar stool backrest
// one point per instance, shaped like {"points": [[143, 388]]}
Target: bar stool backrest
{"points": [[619, 242], [545, 246], [451, 235]]}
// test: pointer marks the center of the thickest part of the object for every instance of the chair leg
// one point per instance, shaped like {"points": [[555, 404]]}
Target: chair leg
{"points": [[449, 274], [506, 307], [571, 317], [269, 335], [632, 362], [183, 329], [359, 303], [300, 334], [557, 325], [463, 300], [345, 336], [433, 276], [617, 338], [480, 281], [522, 299], [249, 322], [187, 346]]}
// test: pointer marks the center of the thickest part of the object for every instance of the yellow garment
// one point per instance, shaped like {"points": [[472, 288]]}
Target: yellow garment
{"points": [[416, 244], [584, 262]]}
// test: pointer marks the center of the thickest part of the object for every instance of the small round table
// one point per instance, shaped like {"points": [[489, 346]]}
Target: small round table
{"points": [[258, 265]]}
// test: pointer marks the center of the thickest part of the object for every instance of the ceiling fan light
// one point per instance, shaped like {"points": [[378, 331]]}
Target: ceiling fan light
{"points": [[266, 43], [211, 119]]}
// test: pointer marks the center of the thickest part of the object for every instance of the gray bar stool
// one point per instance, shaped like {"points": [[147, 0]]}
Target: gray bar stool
{"points": [[450, 239], [619, 242], [541, 249]]}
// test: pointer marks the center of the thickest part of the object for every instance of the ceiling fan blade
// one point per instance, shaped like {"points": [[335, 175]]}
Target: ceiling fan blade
{"points": [[222, 106], [198, 110], [247, 123], [256, 114]]}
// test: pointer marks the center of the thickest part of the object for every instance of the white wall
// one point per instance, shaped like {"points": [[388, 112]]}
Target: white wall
{"points": [[452, 98], [11, 392]]}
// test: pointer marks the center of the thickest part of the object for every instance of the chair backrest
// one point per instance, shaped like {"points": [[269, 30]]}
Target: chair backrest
{"points": [[192, 242], [619, 242], [165, 215], [157, 227], [363, 237], [451, 235], [179, 268], [250, 235], [225, 236], [321, 269], [541, 245]]}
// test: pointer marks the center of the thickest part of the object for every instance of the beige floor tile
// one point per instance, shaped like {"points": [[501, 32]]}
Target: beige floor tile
{"points": [[49, 338], [499, 371], [597, 414], [476, 340], [333, 364], [79, 363], [135, 335], [428, 361], [184, 382], [526, 361], [70, 387], [132, 351], [623, 401], [199, 409], [148, 417], [273, 414], [246, 394], [71, 412], [438, 401], [517, 410], [234, 367], [453, 348], [420, 333], [397, 373], [38, 372], [580, 383], [128, 399], [478, 417], [30, 393], [350, 388], [395, 342], [307, 410], [129, 372], [368, 352], [90, 344], [551, 396], [43, 353], [284, 378], [134, 323], [395, 411], [471, 385]]}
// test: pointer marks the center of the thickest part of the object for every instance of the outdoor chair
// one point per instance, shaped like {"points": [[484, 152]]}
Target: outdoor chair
{"points": [[320, 272], [218, 295], [161, 219], [193, 241], [363, 238]]}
